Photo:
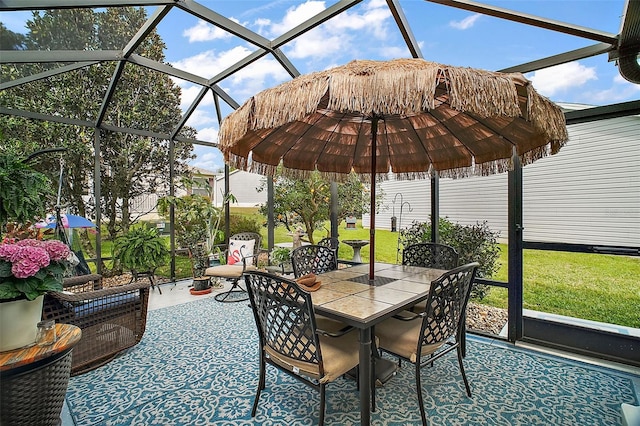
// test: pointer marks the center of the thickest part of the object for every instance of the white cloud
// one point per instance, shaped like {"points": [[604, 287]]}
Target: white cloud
{"points": [[209, 63], [189, 93], [296, 15], [242, 84], [337, 35], [209, 134], [561, 78], [204, 31], [466, 23], [620, 91], [202, 116], [208, 158], [393, 52]]}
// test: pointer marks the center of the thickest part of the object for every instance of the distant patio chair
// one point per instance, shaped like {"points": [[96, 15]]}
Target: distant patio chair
{"points": [[330, 242], [314, 259], [430, 255], [241, 256]]}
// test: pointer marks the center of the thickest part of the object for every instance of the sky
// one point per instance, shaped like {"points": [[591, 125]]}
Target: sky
{"points": [[368, 31]]}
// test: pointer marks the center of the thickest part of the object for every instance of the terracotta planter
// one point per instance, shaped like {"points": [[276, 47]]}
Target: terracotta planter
{"points": [[19, 323]]}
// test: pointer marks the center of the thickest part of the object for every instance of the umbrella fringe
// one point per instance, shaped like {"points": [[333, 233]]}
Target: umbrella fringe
{"points": [[548, 118], [535, 154], [481, 92], [235, 125]]}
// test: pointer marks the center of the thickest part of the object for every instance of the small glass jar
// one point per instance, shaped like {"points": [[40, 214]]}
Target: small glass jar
{"points": [[46, 333]]}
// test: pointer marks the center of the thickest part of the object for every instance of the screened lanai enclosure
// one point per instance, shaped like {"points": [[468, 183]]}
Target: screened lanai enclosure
{"points": [[120, 64]]}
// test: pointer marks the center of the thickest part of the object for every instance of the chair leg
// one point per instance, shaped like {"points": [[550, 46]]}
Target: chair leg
{"points": [[463, 334], [227, 295], [261, 385], [154, 284], [423, 414], [464, 376], [322, 404]]}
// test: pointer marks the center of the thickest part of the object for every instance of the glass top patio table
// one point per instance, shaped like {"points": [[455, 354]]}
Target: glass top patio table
{"points": [[348, 296]]}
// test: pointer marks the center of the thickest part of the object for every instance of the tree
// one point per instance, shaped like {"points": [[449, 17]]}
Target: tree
{"points": [[130, 165], [10, 40], [307, 202]]}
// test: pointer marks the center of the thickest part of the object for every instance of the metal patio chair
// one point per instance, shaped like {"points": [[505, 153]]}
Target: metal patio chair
{"points": [[430, 255], [314, 259], [246, 259], [291, 340], [330, 242], [424, 337]]}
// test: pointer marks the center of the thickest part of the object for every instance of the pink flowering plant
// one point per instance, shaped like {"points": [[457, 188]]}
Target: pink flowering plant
{"points": [[30, 268]]}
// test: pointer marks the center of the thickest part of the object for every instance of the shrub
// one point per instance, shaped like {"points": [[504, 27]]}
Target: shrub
{"points": [[241, 223], [474, 243]]}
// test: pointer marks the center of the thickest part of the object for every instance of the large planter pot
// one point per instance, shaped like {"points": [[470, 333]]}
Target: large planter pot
{"points": [[19, 323], [201, 283]]}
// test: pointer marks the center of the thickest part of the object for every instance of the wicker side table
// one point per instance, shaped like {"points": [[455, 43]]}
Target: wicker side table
{"points": [[33, 380]]}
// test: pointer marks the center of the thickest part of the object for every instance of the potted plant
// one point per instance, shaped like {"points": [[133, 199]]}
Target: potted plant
{"points": [[22, 190], [28, 269], [141, 250], [281, 256]]}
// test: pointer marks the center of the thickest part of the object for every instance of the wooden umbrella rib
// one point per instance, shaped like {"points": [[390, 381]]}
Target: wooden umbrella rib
{"points": [[422, 143], [443, 124]]}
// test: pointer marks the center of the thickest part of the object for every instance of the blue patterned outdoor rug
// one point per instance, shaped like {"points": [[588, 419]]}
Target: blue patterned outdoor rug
{"points": [[197, 365]]}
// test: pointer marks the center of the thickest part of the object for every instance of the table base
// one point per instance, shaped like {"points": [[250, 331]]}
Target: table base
{"points": [[385, 370], [35, 396]]}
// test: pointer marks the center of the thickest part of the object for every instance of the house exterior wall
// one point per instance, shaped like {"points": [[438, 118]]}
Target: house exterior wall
{"points": [[243, 186], [588, 193], [145, 207]]}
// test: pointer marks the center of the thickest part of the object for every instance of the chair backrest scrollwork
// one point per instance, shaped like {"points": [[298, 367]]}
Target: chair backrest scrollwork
{"points": [[446, 304], [314, 259], [430, 255], [285, 317]]}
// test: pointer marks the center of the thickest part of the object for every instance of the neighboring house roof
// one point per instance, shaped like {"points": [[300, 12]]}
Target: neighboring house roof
{"points": [[198, 171]]}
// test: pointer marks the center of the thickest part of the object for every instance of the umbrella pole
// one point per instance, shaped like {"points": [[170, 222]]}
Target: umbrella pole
{"points": [[372, 215]]}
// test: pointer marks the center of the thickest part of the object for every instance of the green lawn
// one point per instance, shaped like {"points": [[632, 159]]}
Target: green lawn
{"points": [[597, 287]]}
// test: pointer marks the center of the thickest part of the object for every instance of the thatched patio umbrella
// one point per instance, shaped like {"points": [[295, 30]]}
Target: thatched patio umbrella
{"points": [[417, 117]]}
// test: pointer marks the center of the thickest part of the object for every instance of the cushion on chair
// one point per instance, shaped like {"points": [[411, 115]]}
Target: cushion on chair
{"points": [[228, 271], [92, 306], [339, 355], [239, 249], [401, 337]]}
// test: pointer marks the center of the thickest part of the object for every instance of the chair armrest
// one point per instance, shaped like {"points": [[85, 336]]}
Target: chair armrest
{"points": [[72, 297], [408, 316], [253, 256], [80, 283], [338, 333]]}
